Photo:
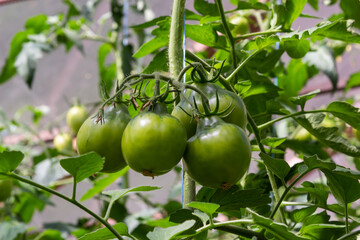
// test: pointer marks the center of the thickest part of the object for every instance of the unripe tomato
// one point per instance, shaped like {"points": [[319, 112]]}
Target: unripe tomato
{"points": [[218, 155], [105, 138], [241, 25], [5, 189], [75, 117], [63, 142], [302, 134], [154, 142], [236, 114]]}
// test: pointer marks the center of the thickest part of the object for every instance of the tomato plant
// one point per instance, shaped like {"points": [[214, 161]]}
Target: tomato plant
{"points": [[260, 159]]}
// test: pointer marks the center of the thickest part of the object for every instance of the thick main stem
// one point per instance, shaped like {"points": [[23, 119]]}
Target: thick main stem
{"points": [[175, 66]]}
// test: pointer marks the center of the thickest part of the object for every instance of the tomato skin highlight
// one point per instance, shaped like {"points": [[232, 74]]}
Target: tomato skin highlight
{"points": [[153, 143], [5, 189], [218, 155], [236, 114], [105, 138], [75, 117]]}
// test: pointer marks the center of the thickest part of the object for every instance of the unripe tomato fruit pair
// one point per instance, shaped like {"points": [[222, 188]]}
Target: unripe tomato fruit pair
{"points": [[5, 189], [105, 138], [154, 142], [75, 117], [218, 155]]}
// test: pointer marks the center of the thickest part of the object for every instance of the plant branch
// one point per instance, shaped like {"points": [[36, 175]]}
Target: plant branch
{"points": [[346, 219], [227, 33], [267, 124], [74, 189], [74, 202], [349, 235], [267, 32], [231, 78]]}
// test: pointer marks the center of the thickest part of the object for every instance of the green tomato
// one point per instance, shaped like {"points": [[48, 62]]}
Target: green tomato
{"points": [[218, 155], [75, 117], [105, 138], [5, 189], [153, 143], [302, 134], [63, 142], [236, 114], [241, 25]]}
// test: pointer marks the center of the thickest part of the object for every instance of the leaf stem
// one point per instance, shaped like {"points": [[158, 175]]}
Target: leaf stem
{"points": [[265, 125], [349, 235], [346, 219], [232, 75], [267, 32], [74, 202], [278, 204], [74, 189], [227, 33]]}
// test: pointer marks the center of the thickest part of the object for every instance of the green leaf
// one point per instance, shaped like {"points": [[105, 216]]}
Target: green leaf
{"points": [[295, 78], [159, 63], [278, 230], [302, 99], [83, 166], [351, 9], [324, 60], [50, 234], [104, 233], [9, 70], [353, 81], [328, 136], [101, 183], [278, 166], [241, 5], [75, 37], [183, 215], [307, 148], [293, 11], [38, 23], [323, 231], [170, 232], [206, 8], [346, 112], [345, 189], [313, 162], [9, 160], [338, 30], [116, 194], [189, 15], [273, 142], [314, 4], [73, 9], [161, 39], [151, 23], [315, 193], [296, 48], [9, 230], [205, 34], [208, 208], [300, 214]]}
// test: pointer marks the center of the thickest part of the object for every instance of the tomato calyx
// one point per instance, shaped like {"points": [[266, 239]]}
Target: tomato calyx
{"points": [[199, 75]]}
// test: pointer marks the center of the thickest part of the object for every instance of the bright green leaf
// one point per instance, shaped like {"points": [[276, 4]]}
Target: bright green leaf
{"points": [[346, 112], [293, 11], [37, 23], [278, 230], [208, 208], [206, 8], [351, 9], [170, 232], [353, 81], [273, 142], [295, 78], [83, 166], [9, 160], [300, 214], [205, 34], [101, 183], [278, 166], [104, 233], [159, 63], [302, 99]]}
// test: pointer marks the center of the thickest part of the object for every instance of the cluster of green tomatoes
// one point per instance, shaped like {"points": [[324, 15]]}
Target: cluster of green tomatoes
{"points": [[209, 135]]}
